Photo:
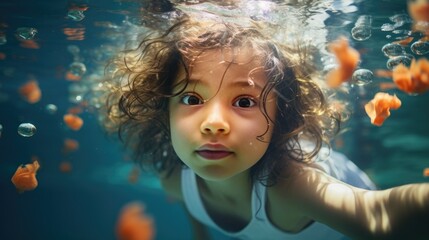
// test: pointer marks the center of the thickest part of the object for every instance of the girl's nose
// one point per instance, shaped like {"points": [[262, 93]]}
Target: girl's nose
{"points": [[215, 121]]}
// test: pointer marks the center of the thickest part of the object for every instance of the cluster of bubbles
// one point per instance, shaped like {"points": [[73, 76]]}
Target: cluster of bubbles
{"points": [[77, 67], [397, 21], [22, 33], [394, 51], [396, 54], [362, 31]]}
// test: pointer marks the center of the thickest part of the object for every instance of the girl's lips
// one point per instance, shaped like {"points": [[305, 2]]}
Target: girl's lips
{"points": [[213, 155]]}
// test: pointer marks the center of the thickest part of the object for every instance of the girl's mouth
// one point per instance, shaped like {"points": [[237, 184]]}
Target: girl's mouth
{"points": [[213, 155]]}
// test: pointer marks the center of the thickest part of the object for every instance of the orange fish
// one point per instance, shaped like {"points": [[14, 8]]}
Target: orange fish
{"points": [[75, 110], [419, 10], [383, 73], [426, 172], [65, 167], [29, 44], [72, 77], [133, 176], [348, 59], [24, 178], [405, 41], [30, 91], [378, 109], [387, 86], [414, 79], [133, 224], [424, 39], [74, 122], [82, 7], [74, 33], [70, 145]]}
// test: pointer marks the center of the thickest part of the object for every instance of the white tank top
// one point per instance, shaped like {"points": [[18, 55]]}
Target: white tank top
{"points": [[260, 226]]}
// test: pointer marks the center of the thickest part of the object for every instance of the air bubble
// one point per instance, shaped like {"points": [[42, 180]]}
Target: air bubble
{"points": [[51, 108], [395, 61], [387, 27], [3, 39], [392, 50], [362, 29], [362, 77], [77, 69], [26, 129], [73, 49], [361, 33], [26, 33], [420, 48], [75, 15]]}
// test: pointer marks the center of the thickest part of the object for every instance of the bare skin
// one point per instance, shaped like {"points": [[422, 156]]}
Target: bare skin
{"points": [[214, 127]]}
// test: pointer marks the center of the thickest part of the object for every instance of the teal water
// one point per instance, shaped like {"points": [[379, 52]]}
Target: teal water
{"points": [[85, 203]]}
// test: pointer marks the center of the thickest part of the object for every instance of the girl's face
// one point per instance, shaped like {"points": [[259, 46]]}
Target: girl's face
{"points": [[215, 122]]}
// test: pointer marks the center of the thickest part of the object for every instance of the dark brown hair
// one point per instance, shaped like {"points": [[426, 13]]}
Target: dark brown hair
{"points": [[137, 106]]}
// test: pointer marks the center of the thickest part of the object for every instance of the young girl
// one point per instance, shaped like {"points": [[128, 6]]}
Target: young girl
{"points": [[235, 123]]}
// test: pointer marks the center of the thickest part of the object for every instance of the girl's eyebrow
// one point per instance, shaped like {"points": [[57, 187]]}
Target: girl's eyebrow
{"points": [[246, 83]]}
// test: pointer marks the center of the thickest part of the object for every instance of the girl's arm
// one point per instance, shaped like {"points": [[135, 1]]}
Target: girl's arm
{"points": [[393, 213]]}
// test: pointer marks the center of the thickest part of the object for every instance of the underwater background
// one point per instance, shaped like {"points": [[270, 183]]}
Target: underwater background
{"points": [[82, 190]]}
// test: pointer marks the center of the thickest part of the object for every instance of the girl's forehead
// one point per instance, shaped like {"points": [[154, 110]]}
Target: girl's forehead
{"points": [[238, 55], [224, 65], [239, 61]]}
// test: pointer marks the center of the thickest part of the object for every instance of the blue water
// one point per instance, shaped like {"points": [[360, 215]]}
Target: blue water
{"points": [[85, 203]]}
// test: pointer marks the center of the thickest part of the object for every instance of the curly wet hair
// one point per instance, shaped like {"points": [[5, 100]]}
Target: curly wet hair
{"points": [[142, 84]]}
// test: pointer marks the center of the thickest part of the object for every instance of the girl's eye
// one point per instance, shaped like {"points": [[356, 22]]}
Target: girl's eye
{"points": [[191, 100], [244, 102]]}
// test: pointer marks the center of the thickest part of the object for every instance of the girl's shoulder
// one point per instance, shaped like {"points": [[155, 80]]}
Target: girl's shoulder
{"points": [[298, 182], [287, 201], [171, 183]]}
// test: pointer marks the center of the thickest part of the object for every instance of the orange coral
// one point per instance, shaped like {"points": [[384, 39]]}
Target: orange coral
{"points": [[378, 109], [29, 44], [70, 145], [133, 224], [73, 122], [348, 59], [414, 79], [30, 91], [419, 10], [426, 172], [65, 167], [387, 86], [405, 41], [383, 73], [24, 178], [75, 110], [72, 77], [133, 176]]}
